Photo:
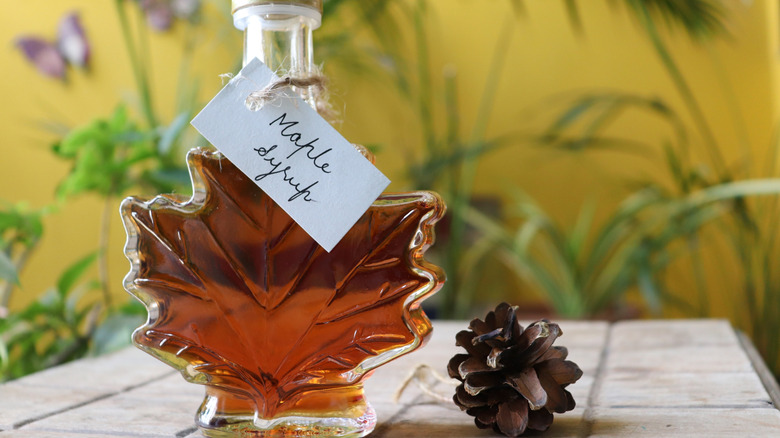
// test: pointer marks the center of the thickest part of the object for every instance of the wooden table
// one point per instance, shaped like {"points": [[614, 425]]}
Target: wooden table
{"points": [[642, 378]]}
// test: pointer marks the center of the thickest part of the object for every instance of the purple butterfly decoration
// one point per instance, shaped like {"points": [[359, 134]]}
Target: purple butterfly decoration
{"points": [[50, 58]]}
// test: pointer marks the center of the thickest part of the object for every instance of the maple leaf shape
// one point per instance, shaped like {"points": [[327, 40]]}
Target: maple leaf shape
{"points": [[242, 299]]}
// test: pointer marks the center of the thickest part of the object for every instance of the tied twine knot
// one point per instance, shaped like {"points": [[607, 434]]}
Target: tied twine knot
{"points": [[315, 84]]}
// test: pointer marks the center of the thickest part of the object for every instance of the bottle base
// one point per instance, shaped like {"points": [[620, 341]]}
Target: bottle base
{"points": [[241, 426]]}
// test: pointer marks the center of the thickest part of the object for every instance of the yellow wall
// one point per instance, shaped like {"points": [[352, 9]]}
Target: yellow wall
{"points": [[546, 60]]}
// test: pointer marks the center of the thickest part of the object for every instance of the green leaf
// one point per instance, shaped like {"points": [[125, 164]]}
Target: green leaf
{"points": [[8, 269], [132, 307], [119, 120], [109, 155], [699, 18], [330, 7], [581, 228], [572, 115], [574, 15], [170, 134], [622, 224], [518, 6], [25, 226], [648, 288], [69, 146], [730, 191], [4, 359], [68, 278], [166, 179], [115, 332]]}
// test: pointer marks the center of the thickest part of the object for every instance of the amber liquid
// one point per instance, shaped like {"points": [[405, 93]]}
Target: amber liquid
{"points": [[243, 300]]}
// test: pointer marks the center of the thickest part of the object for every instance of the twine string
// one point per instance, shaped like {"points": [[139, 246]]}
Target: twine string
{"points": [[317, 92], [422, 375]]}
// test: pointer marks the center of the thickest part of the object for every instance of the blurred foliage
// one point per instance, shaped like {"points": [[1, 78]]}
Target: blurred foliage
{"points": [[700, 19], [583, 271], [660, 226], [748, 224], [109, 156], [52, 330], [104, 155], [59, 327], [20, 231], [443, 159], [446, 160], [133, 149]]}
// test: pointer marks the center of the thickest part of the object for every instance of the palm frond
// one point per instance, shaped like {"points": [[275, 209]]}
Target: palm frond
{"points": [[518, 6], [701, 19]]}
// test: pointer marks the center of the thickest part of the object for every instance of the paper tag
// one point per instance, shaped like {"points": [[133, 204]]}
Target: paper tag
{"points": [[293, 155]]}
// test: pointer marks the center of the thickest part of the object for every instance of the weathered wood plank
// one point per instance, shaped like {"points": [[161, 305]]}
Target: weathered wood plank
{"points": [[680, 359], [682, 346], [689, 423], [163, 408], [766, 376], [658, 378], [61, 434], [75, 384], [652, 334], [675, 390], [21, 404], [113, 372], [430, 420]]}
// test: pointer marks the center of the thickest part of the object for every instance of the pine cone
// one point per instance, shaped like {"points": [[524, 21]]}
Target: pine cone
{"points": [[512, 379]]}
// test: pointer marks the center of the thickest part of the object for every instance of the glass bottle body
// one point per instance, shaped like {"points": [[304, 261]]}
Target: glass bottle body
{"points": [[243, 301], [281, 332]]}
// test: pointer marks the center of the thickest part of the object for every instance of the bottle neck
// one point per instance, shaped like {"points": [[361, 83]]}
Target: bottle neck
{"points": [[281, 37]]}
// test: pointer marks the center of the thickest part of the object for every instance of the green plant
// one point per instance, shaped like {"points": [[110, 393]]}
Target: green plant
{"points": [[444, 159], [20, 231], [52, 330], [581, 272], [131, 149], [109, 156], [59, 326], [585, 273]]}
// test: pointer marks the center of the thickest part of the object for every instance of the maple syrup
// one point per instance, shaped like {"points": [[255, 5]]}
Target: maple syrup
{"points": [[281, 332]]}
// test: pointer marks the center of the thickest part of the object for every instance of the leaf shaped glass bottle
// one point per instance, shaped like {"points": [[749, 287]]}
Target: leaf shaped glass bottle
{"points": [[243, 301]]}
